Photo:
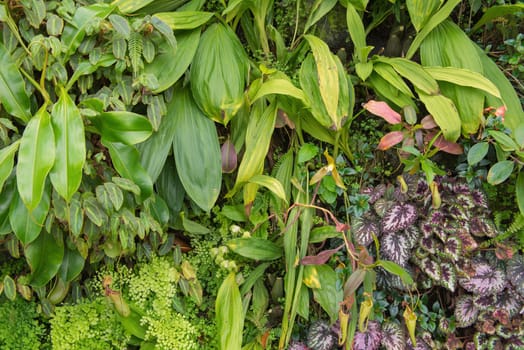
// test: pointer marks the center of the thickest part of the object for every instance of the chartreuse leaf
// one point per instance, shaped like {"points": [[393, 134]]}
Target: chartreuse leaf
{"points": [[255, 248], [319, 10], [495, 12], [126, 161], [13, 97], [280, 86], [322, 279], [28, 225], [171, 62], [44, 256], [36, 157], [445, 114], [356, 32], [271, 184], [414, 72], [463, 77], [120, 126], [68, 127], [9, 287], [183, 20], [229, 315], [197, 151], [7, 158], [420, 11], [393, 78], [500, 171]]}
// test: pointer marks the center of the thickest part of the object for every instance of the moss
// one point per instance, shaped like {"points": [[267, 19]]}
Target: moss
{"points": [[20, 327]]}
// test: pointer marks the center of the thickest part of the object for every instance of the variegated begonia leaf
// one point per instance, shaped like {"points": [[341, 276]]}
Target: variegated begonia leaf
{"points": [[364, 228], [468, 242], [484, 302], [296, 345], [421, 345], [458, 213], [480, 227], [466, 312], [444, 325], [426, 228], [479, 199], [470, 346], [453, 342], [448, 276], [320, 336], [503, 331], [515, 271], [429, 244], [427, 337], [485, 280], [382, 205], [459, 188], [374, 193], [516, 342], [452, 248], [494, 343], [370, 339], [431, 268], [399, 217], [509, 301], [395, 247], [465, 201], [393, 336], [419, 253], [481, 340], [412, 234]]}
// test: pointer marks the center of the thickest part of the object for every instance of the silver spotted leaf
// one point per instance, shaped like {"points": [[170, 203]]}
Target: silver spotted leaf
{"points": [[382, 205], [393, 336], [412, 234], [485, 279], [515, 272], [364, 228], [374, 193], [431, 268], [484, 302], [370, 339], [448, 276], [466, 312], [321, 337], [508, 300], [395, 247], [399, 217]]}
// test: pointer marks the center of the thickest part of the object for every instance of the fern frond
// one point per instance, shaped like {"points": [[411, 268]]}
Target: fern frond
{"points": [[135, 47]]}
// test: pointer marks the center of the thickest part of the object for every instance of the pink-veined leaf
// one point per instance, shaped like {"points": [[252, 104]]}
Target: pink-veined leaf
{"points": [[390, 139], [382, 109]]}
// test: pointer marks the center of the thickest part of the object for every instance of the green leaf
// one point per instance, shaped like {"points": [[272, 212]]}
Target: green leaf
{"points": [[7, 159], [115, 195], [68, 127], [519, 190], [307, 152], [193, 226], [72, 265], [477, 152], [125, 127], [13, 97], [499, 172], [495, 12], [319, 10], [36, 157], [6, 200], [420, 11], [414, 72], [9, 288], [445, 114], [271, 184], [398, 270], [229, 315], [126, 161], [322, 279], [197, 151], [356, 32], [255, 248], [389, 92], [44, 256], [171, 62], [170, 188], [120, 25], [76, 216], [393, 78], [183, 20], [321, 233], [503, 140], [94, 211], [279, 86], [27, 225]]}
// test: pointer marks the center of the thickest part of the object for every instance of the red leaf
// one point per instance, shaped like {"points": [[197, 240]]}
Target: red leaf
{"points": [[320, 258], [390, 139], [449, 147], [428, 122], [229, 157], [382, 110]]}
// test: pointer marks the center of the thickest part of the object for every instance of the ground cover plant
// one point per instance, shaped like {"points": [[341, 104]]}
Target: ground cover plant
{"points": [[269, 174]]}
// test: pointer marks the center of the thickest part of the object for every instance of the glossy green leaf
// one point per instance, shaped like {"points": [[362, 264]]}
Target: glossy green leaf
{"points": [[463, 77], [72, 265], [13, 96], [229, 315], [44, 256], [519, 190], [126, 161], [7, 159], [120, 25], [319, 10], [500, 171], [36, 157], [218, 73], [445, 114], [115, 195], [86, 68], [420, 11], [255, 248], [94, 211], [392, 77], [170, 188], [184, 20], [322, 279], [68, 127], [28, 225], [271, 184], [398, 270], [9, 288], [414, 72], [197, 152], [356, 32], [477, 152], [171, 62], [125, 127], [6, 199], [76, 216]]}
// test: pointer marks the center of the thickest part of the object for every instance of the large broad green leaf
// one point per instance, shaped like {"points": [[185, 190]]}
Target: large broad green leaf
{"points": [[28, 225], [68, 127], [72, 265], [421, 10], [495, 12], [279, 86], [7, 159], [44, 256], [170, 188], [391, 93], [229, 315], [255, 248], [75, 30], [463, 77], [414, 72], [171, 62], [6, 199], [126, 161], [154, 151], [356, 32], [12, 87], [393, 78], [218, 73], [445, 114], [184, 20], [36, 157], [322, 279], [319, 10], [197, 151], [124, 127]]}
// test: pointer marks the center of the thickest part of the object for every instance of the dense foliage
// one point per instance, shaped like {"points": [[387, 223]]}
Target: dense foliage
{"points": [[274, 174]]}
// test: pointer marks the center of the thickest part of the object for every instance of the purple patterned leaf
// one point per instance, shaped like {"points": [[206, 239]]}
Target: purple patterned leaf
{"points": [[426, 228], [369, 340], [374, 193], [458, 213], [508, 301], [494, 343], [516, 342], [441, 232], [448, 276], [480, 340], [431, 268], [485, 279], [483, 302], [364, 228], [468, 242], [412, 234], [460, 188], [503, 331], [479, 199], [420, 253], [453, 248], [382, 205], [393, 337], [470, 346], [444, 325], [465, 311], [465, 201], [436, 218], [428, 339], [421, 345], [296, 345], [429, 244], [481, 227], [399, 217], [515, 271], [395, 247], [321, 336]]}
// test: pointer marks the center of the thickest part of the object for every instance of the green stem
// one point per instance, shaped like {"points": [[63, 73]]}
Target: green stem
{"points": [[42, 92]]}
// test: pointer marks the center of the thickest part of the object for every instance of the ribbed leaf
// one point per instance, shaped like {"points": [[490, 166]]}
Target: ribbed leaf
{"points": [[197, 151], [420, 11], [390, 92], [229, 315], [13, 97], [124, 127], [319, 10], [183, 20], [282, 87], [463, 77], [356, 32], [36, 157], [218, 73], [391, 76], [271, 184], [445, 114], [7, 159], [414, 73], [485, 280], [393, 336], [68, 127], [465, 311], [431, 268], [255, 248], [495, 12], [28, 225], [44, 256]]}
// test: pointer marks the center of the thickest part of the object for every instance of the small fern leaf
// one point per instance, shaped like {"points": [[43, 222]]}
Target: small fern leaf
{"points": [[135, 47]]}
